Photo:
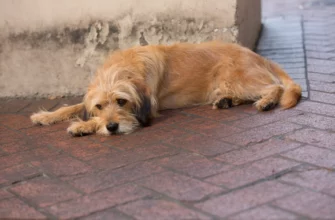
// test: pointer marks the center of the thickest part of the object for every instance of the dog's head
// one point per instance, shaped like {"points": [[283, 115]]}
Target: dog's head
{"points": [[119, 105]]}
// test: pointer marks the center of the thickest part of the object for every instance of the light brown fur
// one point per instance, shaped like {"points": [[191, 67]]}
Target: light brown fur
{"points": [[152, 78]]}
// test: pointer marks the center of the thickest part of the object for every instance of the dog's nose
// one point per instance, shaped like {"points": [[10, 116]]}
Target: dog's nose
{"points": [[112, 126]]}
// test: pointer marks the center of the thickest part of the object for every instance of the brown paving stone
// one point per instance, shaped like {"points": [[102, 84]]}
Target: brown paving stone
{"points": [[98, 181], [264, 213], [321, 180], [201, 144], [251, 172], [245, 198], [15, 209], [8, 135], [40, 104], [159, 209], [248, 109], [67, 101], [17, 173], [219, 115], [63, 166], [311, 204], [5, 195], [14, 159], [257, 151], [38, 153], [118, 159], [60, 140], [314, 155], [147, 136], [169, 117], [265, 118], [315, 137], [318, 108], [42, 153], [15, 121], [85, 150], [107, 214], [38, 130], [209, 128], [313, 120], [98, 201], [193, 165], [13, 105], [322, 86], [44, 192], [2, 153], [179, 187], [18, 146], [261, 133], [322, 97]]}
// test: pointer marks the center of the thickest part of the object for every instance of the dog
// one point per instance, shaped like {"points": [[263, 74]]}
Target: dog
{"points": [[134, 84]]}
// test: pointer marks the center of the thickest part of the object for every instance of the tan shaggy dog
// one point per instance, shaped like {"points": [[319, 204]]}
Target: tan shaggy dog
{"points": [[134, 84]]}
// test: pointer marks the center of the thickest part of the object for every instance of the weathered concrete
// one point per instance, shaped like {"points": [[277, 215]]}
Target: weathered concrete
{"points": [[52, 47]]}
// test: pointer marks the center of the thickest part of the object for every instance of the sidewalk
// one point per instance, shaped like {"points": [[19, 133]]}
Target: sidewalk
{"points": [[193, 163]]}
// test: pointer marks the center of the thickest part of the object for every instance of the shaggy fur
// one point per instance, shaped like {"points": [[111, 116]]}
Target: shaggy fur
{"points": [[134, 84]]}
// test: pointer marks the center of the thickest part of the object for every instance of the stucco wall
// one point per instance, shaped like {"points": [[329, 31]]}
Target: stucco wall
{"points": [[52, 47]]}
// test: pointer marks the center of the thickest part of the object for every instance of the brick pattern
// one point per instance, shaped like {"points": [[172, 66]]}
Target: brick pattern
{"points": [[285, 47], [309, 204], [193, 163], [265, 212]]}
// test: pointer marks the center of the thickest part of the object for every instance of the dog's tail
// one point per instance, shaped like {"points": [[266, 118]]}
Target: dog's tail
{"points": [[292, 91]]}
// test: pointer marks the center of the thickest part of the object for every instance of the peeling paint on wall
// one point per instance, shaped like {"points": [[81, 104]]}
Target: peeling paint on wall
{"points": [[97, 35], [121, 33], [60, 60]]}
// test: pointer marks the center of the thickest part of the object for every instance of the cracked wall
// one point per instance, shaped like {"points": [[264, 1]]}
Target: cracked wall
{"points": [[58, 56]]}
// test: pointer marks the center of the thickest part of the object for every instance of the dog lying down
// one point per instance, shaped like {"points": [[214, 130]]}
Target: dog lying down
{"points": [[134, 84]]}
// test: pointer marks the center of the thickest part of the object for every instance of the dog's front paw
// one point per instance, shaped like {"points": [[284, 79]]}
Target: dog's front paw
{"points": [[80, 129], [42, 118]]}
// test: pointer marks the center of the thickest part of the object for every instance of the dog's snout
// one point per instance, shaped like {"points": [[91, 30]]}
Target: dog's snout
{"points": [[112, 126]]}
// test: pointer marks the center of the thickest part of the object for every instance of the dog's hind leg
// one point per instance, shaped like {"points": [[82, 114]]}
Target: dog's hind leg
{"points": [[223, 97], [225, 103], [270, 96], [62, 114]]}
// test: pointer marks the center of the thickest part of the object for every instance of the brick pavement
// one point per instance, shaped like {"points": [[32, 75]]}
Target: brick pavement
{"points": [[192, 163]]}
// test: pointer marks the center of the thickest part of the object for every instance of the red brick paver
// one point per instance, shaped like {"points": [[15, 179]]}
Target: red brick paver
{"points": [[193, 163]]}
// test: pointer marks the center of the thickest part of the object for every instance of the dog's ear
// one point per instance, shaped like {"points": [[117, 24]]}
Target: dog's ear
{"points": [[143, 110], [83, 114]]}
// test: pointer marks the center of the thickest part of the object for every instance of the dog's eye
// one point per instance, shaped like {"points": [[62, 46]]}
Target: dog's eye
{"points": [[121, 102], [98, 106]]}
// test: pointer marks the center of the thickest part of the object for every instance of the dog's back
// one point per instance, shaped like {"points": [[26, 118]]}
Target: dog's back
{"points": [[194, 74]]}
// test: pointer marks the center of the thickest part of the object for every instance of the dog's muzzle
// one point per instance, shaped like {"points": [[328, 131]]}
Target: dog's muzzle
{"points": [[112, 127]]}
